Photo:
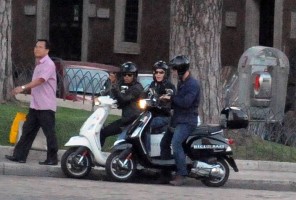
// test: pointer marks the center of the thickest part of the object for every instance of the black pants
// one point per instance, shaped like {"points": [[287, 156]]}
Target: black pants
{"points": [[115, 128], [34, 120]]}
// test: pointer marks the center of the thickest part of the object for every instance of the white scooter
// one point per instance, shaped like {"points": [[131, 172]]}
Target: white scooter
{"points": [[85, 150]]}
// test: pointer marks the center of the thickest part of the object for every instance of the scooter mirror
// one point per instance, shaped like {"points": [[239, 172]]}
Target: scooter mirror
{"points": [[103, 91]]}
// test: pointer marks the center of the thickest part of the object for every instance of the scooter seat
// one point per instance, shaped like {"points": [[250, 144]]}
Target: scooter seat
{"points": [[206, 129]]}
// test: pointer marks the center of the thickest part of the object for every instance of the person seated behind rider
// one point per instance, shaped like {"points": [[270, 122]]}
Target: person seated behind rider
{"points": [[127, 93], [162, 115], [160, 84]]}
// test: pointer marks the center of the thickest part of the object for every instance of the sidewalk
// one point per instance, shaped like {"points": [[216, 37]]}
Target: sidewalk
{"points": [[265, 175]]}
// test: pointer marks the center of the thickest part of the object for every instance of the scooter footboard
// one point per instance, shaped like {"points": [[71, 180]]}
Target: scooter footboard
{"points": [[232, 163]]}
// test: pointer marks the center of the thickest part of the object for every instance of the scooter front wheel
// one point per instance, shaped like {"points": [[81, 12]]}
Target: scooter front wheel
{"points": [[75, 164], [120, 171]]}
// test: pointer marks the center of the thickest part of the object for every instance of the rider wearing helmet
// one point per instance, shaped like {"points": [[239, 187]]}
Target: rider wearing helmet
{"points": [[161, 84], [185, 103], [127, 92], [162, 113], [180, 64]]}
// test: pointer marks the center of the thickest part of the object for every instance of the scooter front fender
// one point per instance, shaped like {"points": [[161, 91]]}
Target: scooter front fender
{"points": [[121, 146], [78, 141]]}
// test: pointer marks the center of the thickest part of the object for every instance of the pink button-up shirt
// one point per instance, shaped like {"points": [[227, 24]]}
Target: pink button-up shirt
{"points": [[44, 95]]}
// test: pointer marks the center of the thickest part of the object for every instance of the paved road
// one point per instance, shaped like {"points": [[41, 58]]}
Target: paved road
{"points": [[33, 188], [263, 175]]}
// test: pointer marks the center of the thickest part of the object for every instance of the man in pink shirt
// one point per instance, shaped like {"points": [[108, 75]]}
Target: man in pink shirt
{"points": [[42, 108]]}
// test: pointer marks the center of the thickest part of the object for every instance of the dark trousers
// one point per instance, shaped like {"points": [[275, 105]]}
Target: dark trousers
{"points": [[113, 128], [165, 145], [34, 120]]}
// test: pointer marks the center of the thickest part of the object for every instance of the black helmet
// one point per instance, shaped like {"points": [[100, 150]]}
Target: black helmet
{"points": [[180, 63], [161, 65], [129, 67]]}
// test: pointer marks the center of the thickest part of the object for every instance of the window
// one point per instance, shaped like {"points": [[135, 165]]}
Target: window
{"points": [[127, 35], [131, 21]]}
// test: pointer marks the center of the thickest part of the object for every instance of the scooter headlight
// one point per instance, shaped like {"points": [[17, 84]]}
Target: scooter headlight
{"points": [[142, 104]]}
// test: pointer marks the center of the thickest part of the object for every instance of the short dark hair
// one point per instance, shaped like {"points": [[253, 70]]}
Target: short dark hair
{"points": [[47, 44]]}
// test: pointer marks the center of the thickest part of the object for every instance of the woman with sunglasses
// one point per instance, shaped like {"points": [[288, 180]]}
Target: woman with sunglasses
{"points": [[162, 114], [127, 93], [160, 84]]}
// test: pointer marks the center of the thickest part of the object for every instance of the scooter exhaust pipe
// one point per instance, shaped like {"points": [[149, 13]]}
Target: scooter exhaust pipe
{"points": [[204, 169]]}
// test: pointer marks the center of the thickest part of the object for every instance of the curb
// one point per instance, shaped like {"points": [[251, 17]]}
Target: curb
{"points": [[262, 185], [255, 175], [259, 165]]}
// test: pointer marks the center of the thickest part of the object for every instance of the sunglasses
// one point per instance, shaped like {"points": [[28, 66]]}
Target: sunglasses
{"points": [[128, 74], [159, 72]]}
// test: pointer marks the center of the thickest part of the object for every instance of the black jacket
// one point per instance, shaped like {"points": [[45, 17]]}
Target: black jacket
{"points": [[164, 108], [127, 100]]}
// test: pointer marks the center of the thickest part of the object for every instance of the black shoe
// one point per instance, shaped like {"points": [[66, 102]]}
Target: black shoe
{"points": [[163, 180], [14, 159], [48, 162], [164, 177], [178, 180]]}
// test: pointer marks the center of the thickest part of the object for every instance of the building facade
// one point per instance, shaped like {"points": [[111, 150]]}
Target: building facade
{"points": [[115, 31]]}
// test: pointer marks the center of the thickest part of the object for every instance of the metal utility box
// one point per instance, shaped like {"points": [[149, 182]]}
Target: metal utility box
{"points": [[260, 89], [263, 77]]}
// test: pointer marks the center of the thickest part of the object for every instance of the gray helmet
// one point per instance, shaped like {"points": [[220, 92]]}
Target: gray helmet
{"points": [[180, 63]]}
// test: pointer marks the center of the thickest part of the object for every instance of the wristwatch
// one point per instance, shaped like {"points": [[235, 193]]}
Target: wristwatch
{"points": [[23, 87]]}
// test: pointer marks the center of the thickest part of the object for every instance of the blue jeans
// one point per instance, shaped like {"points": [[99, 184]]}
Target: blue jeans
{"points": [[158, 124], [181, 133]]}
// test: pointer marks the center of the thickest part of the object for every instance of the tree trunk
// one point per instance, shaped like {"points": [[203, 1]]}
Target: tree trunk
{"points": [[6, 81], [195, 32]]}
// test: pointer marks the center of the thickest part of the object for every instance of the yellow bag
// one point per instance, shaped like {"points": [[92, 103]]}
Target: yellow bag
{"points": [[15, 126]]}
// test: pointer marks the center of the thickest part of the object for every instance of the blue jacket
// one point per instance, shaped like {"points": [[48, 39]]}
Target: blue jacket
{"points": [[185, 102]]}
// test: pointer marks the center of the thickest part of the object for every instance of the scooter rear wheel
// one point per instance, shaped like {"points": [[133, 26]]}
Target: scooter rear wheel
{"points": [[73, 166], [120, 173], [217, 182]]}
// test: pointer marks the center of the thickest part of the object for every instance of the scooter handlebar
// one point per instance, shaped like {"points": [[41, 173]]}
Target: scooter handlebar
{"points": [[105, 100]]}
